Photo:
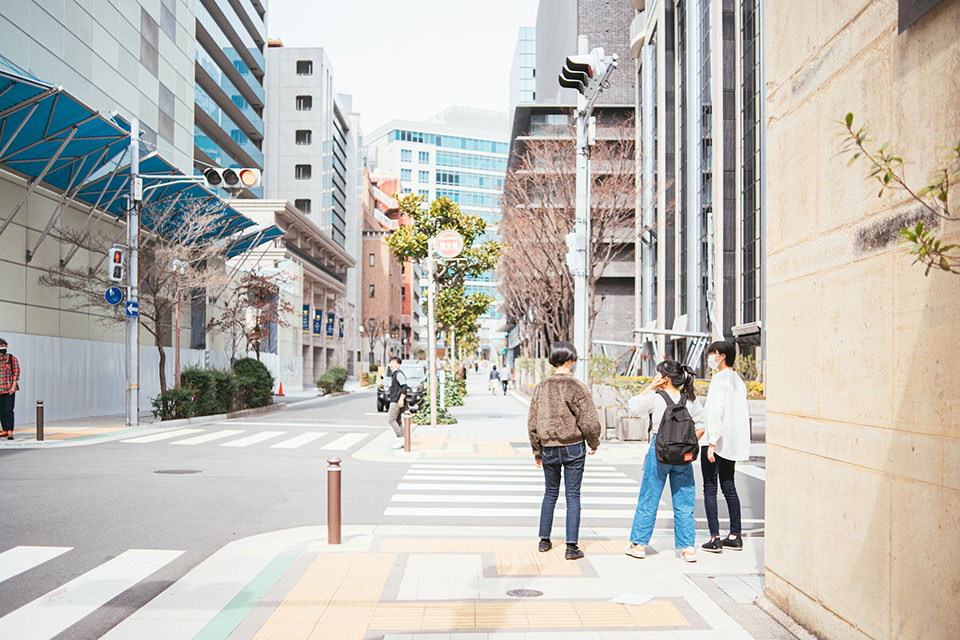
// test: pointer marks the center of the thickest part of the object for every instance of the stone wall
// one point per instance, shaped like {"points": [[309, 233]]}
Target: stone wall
{"points": [[863, 433]]}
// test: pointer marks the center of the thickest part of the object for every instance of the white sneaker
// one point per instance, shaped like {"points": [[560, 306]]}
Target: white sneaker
{"points": [[689, 554], [636, 551], [398, 444]]}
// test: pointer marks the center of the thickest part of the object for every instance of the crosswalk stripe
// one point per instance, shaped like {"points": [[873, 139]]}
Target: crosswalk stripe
{"points": [[19, 559], [157, 437], [488, 512], [495, 467], [488, 487], [50, 614], [209, 437], [516, 472], [299, 440], [517, 479], [254, 439], [499, 498], [345, 441]]}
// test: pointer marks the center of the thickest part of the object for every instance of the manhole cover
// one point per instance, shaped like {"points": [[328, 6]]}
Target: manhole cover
{"points": [[524, 593], [177, 472]]}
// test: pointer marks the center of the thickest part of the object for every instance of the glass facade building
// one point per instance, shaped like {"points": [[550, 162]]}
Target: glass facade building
{"points": [[523, 70]]}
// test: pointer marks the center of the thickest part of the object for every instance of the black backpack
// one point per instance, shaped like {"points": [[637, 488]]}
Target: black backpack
{"points": [[677, 436]]}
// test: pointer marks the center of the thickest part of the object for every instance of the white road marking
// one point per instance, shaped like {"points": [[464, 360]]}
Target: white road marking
{"points": [[531, 488], [527, 466], [299, 441], [157, 437], [19, 559], [518, 472], [516, 479], [50, 614], [254, 439], [484, 512], [498, 498], [345, 441], [209, 437], [754, 472]]}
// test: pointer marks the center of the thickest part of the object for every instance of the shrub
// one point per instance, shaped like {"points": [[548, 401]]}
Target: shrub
{"points": [[176, 404], [747, 367], [224, 390], [366, 379], [453, 392], [602, 367], [255, 384], [332, 380], [204, 389], [423, 415]]}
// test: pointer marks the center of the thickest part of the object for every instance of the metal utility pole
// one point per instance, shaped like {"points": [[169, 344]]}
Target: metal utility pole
{"points": [[132, 304], [432, 328], [586, 72]]}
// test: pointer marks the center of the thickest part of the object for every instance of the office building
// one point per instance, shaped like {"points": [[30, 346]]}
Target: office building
{"points": [[460, 154], [229, 69], [700, 176], [523, 69]]}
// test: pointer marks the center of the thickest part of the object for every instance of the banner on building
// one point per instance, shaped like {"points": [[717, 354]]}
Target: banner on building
{"points": [[306, 318], [330, 319], [318, 323], [341, 329]]}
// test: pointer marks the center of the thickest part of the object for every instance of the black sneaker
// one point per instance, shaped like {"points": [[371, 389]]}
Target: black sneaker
{"points": [[714, 546], [545, 545], [573, 553], [734, 543]]}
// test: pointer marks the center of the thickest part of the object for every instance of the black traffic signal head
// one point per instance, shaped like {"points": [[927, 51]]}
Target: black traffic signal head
{"points": [[232, 178], [577, 72]]}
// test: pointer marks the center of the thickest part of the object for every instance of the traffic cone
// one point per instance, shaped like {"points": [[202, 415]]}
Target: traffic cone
{"points": [[280, 390]]}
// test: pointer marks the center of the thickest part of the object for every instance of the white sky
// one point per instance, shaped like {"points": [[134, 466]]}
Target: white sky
{"points": [[409, 59]]}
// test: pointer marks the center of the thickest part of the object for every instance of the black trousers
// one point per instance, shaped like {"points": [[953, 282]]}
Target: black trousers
{"points": [[6, 410], [722, 469]]}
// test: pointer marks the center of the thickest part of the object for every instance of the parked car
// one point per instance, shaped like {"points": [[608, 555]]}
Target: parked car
{"points": [[416, 376]]}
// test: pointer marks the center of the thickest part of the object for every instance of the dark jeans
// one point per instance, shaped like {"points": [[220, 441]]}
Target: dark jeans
{"points": [[6, 410], [505, 384], [723, 469], [570, 459]]}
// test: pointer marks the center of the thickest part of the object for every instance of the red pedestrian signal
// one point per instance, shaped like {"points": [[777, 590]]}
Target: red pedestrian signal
{"points": [[115, 268]]}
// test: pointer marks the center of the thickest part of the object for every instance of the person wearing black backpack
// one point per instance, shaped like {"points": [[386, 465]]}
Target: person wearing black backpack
{"points": [[678, 423]]}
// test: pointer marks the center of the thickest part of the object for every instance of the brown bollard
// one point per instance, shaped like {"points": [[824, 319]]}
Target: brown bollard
{"points": [[406, 431], [333, 500], [39, 420]]}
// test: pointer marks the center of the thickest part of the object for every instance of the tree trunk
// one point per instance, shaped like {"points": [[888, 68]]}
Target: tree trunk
{"points": [[163, 363]]}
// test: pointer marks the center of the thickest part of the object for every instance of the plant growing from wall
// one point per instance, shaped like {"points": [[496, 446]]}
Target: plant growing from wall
{"points": [[887, 168]]}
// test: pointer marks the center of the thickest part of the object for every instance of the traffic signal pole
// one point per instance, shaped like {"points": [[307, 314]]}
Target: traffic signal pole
{"points": [[432, 328], [132, 351]]}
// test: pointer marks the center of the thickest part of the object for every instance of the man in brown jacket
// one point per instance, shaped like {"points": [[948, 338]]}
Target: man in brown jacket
{"points": [[562, 424]]}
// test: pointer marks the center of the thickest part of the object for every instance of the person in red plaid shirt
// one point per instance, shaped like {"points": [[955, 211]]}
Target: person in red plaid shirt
{"points": [[9, 377]]}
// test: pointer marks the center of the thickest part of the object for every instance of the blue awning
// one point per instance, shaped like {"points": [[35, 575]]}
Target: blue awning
{"points": [[50, 137], [253, 240]]}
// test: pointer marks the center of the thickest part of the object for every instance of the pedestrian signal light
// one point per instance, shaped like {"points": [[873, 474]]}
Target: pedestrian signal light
{"points": [[577, 72], [115, 265], [231, 178]]}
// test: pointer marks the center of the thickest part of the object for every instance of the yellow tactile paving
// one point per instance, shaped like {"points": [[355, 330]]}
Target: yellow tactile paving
{"points": [[335, 598], [498, 450], [67, 435], [518, 614]]}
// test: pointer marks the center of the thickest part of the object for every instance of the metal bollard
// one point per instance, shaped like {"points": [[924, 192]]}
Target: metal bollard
{"points": [[39, 420], [406, 431], [333, 500]]}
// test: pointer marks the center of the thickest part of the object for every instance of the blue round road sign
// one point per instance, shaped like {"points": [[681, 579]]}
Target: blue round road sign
{"points": [[113, 295]]}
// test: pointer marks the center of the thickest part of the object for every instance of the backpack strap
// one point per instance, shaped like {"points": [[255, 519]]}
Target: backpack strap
{"points": [[666, 398]]}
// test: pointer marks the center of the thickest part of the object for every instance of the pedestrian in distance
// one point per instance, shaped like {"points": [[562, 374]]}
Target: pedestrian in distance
{"points": [[505, 379], [678, 421], [397, 395], [9, 385], [563, 424], [494, 380], [728, 441]]}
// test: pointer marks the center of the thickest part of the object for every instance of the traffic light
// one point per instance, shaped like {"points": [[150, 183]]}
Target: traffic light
{"points": [[577, 72], [233, 178], [115, 264]]}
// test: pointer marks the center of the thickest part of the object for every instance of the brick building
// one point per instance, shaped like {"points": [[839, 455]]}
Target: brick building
{"points": [[382, 295]]}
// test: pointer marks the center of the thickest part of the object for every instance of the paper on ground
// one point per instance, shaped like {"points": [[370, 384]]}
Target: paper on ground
{"points": [[632, 598]]}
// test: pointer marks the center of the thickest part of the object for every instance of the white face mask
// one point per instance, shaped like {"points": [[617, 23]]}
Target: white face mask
{"points": [[714, 362]]}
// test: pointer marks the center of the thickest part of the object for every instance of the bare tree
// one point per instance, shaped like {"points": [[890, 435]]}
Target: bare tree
{"points": [[538, 211], [180, 253], [253, 310]]}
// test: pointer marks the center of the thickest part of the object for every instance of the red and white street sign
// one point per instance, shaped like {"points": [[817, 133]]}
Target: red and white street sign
{"points": [[449, 244]]}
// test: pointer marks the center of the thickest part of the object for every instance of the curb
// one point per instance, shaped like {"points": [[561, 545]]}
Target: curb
{"points": [[767, 605]]}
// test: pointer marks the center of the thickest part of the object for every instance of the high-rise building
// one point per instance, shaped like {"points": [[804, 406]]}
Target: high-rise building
{"points": [[130, 56], [700, 174], [460, 154], [523, 69], [229, 93]]}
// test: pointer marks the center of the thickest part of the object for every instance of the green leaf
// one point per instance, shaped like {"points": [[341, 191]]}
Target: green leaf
{"points": [[853, 159], [849, 120]]}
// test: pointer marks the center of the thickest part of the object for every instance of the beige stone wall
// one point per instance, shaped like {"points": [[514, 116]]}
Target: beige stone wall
{"points": [[863, 424]]}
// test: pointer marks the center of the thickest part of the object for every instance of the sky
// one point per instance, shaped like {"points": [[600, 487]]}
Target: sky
{"points": [[409, 59]]}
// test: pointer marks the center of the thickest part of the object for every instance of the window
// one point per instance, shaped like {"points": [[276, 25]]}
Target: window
{"points": [[303, 171], [425, 193], [373, 260], [304, 67], [406, 155], [304, 136], [406, 174], [424, 157], [371, 290], [304, 103], [424, 176], [304, 204]]}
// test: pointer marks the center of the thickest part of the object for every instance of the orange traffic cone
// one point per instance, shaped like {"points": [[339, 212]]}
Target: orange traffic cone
{"points": [[280, 390]]}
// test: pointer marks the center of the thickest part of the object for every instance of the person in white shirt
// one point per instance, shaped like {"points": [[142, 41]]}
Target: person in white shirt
{"points": [[727, 441], [677, 381]]}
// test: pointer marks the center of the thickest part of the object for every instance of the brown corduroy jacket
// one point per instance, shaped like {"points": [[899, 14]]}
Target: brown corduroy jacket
{"points": [[562, 413]]}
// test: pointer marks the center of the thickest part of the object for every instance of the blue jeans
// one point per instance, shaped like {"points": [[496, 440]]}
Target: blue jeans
{"points": [[683, 491], [570, 459]]}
